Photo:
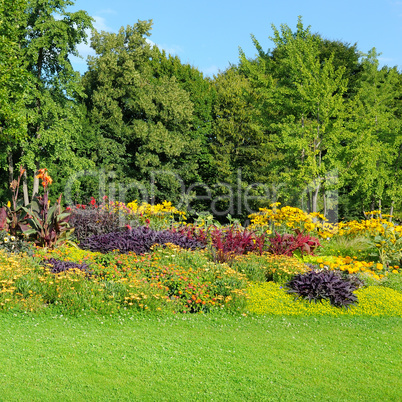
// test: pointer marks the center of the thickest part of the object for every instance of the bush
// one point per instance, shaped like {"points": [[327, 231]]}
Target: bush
{"points": [[13, 244], [268, 267], [287, 244], [138, 240], [324, 285], [91, 221], [393, 281], [232, 241]]}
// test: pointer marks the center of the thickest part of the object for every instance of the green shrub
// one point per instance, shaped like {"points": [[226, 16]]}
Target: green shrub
{"points": [[345, 246], [393, 281], [268, 267]]}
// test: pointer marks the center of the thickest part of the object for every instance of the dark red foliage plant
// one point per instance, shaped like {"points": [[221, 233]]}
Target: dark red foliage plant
{"points": [[231, 241], [193, 232], [287, 244]]}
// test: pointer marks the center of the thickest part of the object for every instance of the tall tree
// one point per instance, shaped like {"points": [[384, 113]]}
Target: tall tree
{"points": [[144, 119], [48, 38], [202, 93], [241, 148], [304, 104], [15, 82], [373, 148]]}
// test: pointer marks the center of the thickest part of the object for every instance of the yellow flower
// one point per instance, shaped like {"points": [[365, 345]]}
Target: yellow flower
{"points": [[9, 204]]}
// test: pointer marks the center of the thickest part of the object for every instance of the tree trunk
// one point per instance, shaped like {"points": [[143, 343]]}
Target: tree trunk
{"points": [[25, 188], [35, 189], [308, 201], [315, 197], [10, 162], [372, 208], [391, 211]]}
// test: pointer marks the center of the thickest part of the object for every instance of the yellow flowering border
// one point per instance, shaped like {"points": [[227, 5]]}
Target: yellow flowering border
{"points": [[270, 298]]}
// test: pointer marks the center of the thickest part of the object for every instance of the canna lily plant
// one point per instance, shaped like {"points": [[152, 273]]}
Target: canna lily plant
{"points": [[48, 224], [13, 216]]}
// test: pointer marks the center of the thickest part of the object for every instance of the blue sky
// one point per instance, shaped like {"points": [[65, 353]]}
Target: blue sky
{"points": [[207, 34]]}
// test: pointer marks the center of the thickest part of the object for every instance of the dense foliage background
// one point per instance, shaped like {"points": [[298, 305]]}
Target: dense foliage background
{"points": [[308, 119]]}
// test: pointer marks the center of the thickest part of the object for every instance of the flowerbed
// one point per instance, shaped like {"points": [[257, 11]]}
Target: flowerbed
{"points": [[158, 263], [269, 298], [169, 279]]}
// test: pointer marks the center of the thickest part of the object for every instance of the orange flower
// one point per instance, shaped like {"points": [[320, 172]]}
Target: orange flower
{"points": [[42, 173], [46, 179]]}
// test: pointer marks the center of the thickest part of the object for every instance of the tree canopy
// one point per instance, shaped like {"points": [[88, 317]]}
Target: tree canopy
{"points": [[308, 119]]}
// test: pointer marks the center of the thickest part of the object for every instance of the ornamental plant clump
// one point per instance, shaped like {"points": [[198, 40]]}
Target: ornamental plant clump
{"points": [[13, 244], [287, 244], [138, 240], [232, 241], [156, 216], [324, 285], [13, 216], [287, 219], [49, 225], [269, 299], [268, 267], [56, 266], [92, 220], [193, 232]]}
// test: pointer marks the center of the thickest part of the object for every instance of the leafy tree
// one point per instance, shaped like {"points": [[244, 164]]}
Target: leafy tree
{"points": [[39, 85], [50, 36], [372, 150], [345, 56], [145, 119], [15, 83], [241, 147], [303, 105], [201, 93]]}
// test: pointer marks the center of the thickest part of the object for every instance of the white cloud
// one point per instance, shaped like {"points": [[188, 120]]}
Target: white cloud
{"points": [[84, 49], [100, 24], [210, 71], [174, 50]]}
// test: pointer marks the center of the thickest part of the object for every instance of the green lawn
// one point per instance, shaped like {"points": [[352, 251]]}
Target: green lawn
{"points": [[212, 357]]}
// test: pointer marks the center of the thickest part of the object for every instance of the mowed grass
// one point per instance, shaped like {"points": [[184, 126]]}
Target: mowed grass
{"points": [[211, 357]]}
